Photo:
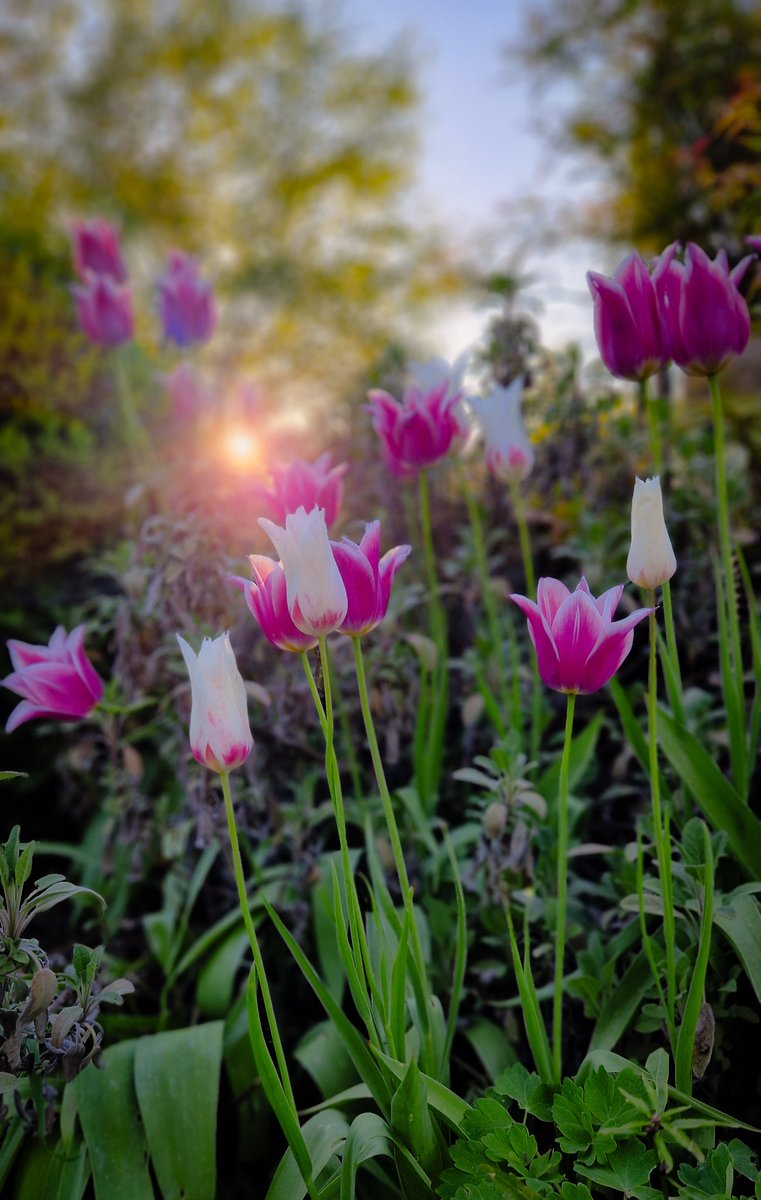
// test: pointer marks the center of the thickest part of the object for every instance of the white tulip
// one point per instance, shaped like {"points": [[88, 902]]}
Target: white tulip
{"points": [[220, 734], [651, 559], [315, 591], [509, 453]]}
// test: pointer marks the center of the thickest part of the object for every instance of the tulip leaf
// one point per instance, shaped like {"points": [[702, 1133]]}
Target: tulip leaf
{"points": [[177, 1085], [739, 919], [622, 1005], [110, 1120], [324, 1135], [720, 802]]}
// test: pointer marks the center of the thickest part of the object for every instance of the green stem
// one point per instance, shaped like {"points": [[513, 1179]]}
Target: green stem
{"points": [[439, 694], [562, 890], [134, 436], [253, 939], [527, 556], [662, 849], [673, 650], [653, 414]]}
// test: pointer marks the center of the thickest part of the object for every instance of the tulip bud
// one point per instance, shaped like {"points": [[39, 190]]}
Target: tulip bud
{"points": [[316, 593], [651, 559], [220, 734]]}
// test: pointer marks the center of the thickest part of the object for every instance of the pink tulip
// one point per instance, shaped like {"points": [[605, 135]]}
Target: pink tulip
{"points": [[220, 733], [187, 392], [368, 579], [105, 310], [306, 485], [267, 600], [57, 680], [97, 250], [186, 302], [578, 644], [315, 591], [754, 241], [704, 314], [628, 327], [419, 431]]}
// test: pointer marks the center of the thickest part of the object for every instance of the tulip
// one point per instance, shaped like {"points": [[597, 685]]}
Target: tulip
{"points": [[220, 734], [628, 326], [315, 591], [307, 485], [578, 644], [509, 453], [368, 578], [187, 392], [419, 431], [267, 600], [97, 250], [57, 680], [188, 310], [105, 310], [651, 559], [754, 241], [704, 314]]}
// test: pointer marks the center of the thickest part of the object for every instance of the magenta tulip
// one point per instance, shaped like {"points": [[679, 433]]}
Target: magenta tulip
{"points": [[316, 595], [420, 430], [186, 302], [105, 310], [704, 314], [220, 733], [628, 328], [578, 644], [57, 680], [306, 485], [188, 393], [368, 578], [97, 250], [267, 599]]}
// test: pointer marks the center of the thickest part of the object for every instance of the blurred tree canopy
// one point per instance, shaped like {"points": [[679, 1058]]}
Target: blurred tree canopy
{"points": [[668, 96]]}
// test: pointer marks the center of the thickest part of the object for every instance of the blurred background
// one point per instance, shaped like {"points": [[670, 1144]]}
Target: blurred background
{"points": [[361, 184]]}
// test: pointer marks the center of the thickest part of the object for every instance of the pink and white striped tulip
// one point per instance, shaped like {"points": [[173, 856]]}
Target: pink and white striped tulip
{"points": [[419, 431], [579, 646], [266, 597], [307, 485], [315, 591], [96, 250], [57, 680], [509, 453], [220, 733], [368, 578]]}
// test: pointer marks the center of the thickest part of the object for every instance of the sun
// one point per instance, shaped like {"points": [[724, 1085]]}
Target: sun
{"points": [[240, 448]]}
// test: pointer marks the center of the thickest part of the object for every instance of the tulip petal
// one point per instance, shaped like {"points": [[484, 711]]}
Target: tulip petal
{"points": [[541, 635], [575, 631]]}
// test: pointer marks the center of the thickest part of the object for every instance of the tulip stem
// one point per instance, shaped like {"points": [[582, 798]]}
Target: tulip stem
{"points": [[439, 693], [511, 698], [660, 830], [253, 939], [735, 683], [673, 651], [652, 408], [562, 891], [524, 537]]}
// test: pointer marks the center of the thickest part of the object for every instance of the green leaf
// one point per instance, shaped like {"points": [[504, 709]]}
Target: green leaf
{"points": [[581, 759], [714, 1177], [628, 1170], [369, 1137], [322, 1053], [527, 1089], [411, 1119], [446, 1103], [24, 864], [216, 979], [691, 1012], [110, 1121], [622, 1005], [492, 1045], [719, 801], [324, 1134], [177, 1085], [13, 775], [739, 919], [46, 1170]]}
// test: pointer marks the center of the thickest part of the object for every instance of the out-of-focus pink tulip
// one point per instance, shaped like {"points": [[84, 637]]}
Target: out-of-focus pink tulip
{"points": [[57, 680], [754, 241], [187, 392], [628, 326], [97, 251], [317, 599], [509, 453], [419, 431], [267, 600], [105, 310], [704, 314], [368, 578], [578, 644], [306, 485], [220, 733], [186, 302]]}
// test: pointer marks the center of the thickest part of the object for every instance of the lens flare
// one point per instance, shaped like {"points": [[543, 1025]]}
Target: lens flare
{"points": [[240, 447]]}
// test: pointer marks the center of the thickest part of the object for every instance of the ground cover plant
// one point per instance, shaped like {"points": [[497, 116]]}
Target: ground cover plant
{"points": [[417, 861]]}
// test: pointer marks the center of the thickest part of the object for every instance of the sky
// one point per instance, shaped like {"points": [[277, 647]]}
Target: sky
{"points": [[483, 157]]}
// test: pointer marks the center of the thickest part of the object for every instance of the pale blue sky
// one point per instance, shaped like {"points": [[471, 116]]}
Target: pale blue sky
{"points": [[483, 157]]}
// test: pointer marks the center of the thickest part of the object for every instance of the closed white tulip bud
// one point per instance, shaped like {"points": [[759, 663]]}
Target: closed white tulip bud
{"points": [[220, 734], [315, 591], [651, 559], [509, 453]]}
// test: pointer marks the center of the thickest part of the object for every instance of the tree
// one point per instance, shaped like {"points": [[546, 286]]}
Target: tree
{"points": [[666, 96]]}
